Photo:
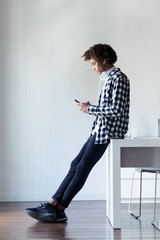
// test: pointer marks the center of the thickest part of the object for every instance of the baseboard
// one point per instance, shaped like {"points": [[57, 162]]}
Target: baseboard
{"points": [[11, 197], [136, 200]]}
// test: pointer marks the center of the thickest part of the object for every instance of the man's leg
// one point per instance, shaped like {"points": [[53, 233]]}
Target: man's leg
{"points": [[50, 212], [63, 186], [93, 152], [73, 182]]}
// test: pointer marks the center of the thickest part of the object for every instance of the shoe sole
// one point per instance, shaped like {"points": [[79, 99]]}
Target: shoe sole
{"points": [[62, 220], [42, 218]]}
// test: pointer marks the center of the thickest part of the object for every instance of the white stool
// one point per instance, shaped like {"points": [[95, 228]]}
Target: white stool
{"points": [[141, 171]]}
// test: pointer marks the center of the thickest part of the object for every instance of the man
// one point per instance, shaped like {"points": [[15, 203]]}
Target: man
{"points": [[112, 117]]}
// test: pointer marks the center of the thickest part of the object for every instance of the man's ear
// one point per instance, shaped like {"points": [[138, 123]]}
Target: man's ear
{"points": [[104, 62]]}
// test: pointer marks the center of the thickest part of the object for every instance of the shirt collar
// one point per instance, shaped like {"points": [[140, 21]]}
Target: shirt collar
{"points": [[105, 74]]}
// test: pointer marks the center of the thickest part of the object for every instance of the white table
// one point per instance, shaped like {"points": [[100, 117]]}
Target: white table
{"points": [[129, 153]]}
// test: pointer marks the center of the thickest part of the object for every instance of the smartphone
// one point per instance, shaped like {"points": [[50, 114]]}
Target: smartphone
{"points": [[76, 100]]}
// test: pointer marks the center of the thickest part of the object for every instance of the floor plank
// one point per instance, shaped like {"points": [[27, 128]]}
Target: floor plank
{"points": [[87, 221]]}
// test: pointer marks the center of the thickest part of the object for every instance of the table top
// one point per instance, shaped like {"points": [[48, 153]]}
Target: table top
{"points": [[136, 142]]}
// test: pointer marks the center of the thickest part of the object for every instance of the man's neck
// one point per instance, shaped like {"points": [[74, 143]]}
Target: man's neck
{"points": [[109, 67]]}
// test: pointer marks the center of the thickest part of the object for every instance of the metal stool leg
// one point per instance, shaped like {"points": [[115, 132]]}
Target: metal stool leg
{"points": [[140, 198], [155, 205], [130, 199]]}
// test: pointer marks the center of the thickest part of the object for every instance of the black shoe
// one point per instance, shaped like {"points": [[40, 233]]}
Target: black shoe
{"points": [[61, 216], [44, 213]]}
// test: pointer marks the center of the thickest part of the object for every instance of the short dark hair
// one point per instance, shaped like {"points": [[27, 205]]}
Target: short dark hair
{"points": [[100, 53]]}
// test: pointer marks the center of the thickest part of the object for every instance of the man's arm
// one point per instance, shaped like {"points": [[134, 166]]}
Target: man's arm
{"points": [[115, 106]]}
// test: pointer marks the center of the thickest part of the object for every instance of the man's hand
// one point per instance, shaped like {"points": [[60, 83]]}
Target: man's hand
{"points": [[84, 106]]}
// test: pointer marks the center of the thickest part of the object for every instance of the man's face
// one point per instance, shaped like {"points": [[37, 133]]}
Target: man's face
{"points": [[96, 66]]}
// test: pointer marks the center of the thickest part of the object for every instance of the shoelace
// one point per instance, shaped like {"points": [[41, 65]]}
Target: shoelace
{"points": [[43, 205]]}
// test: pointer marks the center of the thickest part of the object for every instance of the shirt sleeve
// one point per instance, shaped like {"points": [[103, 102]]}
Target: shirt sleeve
{"points": [[115, 105]]}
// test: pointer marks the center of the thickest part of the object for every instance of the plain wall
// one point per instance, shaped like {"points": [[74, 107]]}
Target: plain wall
{"points": [[41, 70]]}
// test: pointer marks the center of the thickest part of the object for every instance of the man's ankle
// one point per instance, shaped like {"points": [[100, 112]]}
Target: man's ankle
{"points": [[53, 202], [60, 207]]}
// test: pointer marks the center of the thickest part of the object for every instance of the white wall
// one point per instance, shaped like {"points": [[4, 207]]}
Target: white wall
{"points": [[41, 71]]}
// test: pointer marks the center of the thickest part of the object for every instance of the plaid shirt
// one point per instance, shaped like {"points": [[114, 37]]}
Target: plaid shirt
{"points": [[112, 111]]}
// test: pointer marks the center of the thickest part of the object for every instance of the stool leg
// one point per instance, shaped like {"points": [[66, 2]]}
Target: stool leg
{"points": [[140, 198], [130, 199], [155, 198], [155, 204]]}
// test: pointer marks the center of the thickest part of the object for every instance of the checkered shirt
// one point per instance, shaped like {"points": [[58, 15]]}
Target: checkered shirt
{"points": [[112, 111]]}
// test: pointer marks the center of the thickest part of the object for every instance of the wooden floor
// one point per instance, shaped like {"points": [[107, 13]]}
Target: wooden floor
{"points": [[87, 221]]}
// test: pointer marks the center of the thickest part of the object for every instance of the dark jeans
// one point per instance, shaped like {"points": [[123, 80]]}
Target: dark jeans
{"points": [[79, 170]]}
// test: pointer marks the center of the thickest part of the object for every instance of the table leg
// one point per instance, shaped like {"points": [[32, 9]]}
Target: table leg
{"points": [[113, 203]]}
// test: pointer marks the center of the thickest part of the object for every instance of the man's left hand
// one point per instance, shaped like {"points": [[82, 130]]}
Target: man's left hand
{"points": [[84, 106]]}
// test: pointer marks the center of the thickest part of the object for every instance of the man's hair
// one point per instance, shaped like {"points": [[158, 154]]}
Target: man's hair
{"points": [[100, 53]]}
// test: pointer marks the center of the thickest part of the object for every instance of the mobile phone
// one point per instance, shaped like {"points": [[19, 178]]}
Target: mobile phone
{"points": [[76, 100]]}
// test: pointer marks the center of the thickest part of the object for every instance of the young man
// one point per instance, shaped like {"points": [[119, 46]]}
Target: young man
{"points": [[112, 117]]}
